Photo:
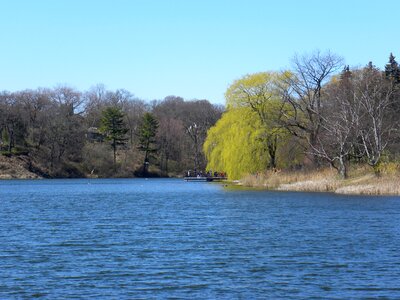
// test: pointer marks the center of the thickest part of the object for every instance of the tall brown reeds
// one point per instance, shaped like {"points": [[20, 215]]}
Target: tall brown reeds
{"points": [[362, 180]]}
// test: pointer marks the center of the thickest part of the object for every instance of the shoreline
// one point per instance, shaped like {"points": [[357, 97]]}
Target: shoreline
{"points": [[379, 188], [361, 181], [21, 167]]}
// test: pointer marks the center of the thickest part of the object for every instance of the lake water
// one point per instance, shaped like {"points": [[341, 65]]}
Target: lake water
{"points": [[141, 239]]}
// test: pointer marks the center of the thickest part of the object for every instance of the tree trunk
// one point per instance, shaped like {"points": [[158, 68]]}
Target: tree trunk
{"points": [[196, 155], [114, 145], [10, 139], [145, 164], [272, 145], [313, 159], [166, 165], [342, 168]]}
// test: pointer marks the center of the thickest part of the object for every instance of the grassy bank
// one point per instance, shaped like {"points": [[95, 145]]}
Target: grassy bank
{"points": [[361, 181]]}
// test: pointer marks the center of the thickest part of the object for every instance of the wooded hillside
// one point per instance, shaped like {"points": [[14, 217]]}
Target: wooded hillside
{"points": [[63, 132]]}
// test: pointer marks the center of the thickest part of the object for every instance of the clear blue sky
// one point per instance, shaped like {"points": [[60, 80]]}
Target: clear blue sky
{"points": [[188, 48]]}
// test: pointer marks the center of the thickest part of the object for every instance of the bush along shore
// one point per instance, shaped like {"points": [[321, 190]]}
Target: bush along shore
{"points": [[362, 180]]}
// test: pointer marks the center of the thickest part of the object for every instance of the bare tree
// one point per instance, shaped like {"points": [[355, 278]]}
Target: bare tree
{"points": [[302, 91], [36, 105], [374, 93], [197, 117], [68, 99], [169, 138], [95, 103], [134, 110], [12, 125], [341, 115], [187, 124]]}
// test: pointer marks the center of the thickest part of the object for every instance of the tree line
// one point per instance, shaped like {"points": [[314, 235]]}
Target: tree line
{"points": [[316, 113], [101, 133]]}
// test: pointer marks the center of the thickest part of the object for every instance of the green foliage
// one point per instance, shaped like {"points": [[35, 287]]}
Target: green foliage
{"points": [[249, 136], [235, 145], [392, 69], [256, 90], [114, 128], [387, 168], [260, 92], [147, 133], [113, 125], [147, 139]]}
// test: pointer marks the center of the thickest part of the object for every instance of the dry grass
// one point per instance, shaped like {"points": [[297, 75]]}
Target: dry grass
{"points": [[371, 185], [361, 181]]}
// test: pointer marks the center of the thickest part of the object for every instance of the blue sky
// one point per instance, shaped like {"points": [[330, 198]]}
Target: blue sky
{"points": [[193, 49]]}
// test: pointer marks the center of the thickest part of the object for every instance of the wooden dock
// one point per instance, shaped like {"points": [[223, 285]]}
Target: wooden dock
{"points": [[204, 178]]}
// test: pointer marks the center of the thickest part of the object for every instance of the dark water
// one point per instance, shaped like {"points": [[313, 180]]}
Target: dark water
{"points": [[146, 239]]}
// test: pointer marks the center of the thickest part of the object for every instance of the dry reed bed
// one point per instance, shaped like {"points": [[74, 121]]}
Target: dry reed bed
{"points": [[361, 181]]}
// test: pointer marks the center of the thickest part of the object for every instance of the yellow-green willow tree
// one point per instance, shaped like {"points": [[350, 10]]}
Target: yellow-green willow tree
{"points": [[261, 92], [235, 144], [249, 136]]}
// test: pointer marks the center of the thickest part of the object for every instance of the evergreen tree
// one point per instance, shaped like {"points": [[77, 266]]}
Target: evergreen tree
{"points": [[147, 134], [392, 73], [346, 73], [114, 129], [371, 66], [392, 69]]}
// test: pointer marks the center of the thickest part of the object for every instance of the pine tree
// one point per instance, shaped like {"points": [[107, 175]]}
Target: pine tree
{"points": [[346, 73], [114, 128], [147, 134], [392, 69], [371, 66], [392, 73]]}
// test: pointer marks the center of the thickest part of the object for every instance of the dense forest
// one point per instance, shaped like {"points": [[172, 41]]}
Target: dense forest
{"points": [[63, 132], [319, 112]]}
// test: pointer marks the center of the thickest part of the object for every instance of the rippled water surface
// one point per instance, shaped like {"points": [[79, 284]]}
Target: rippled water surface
{"points": [[141, 239]]}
